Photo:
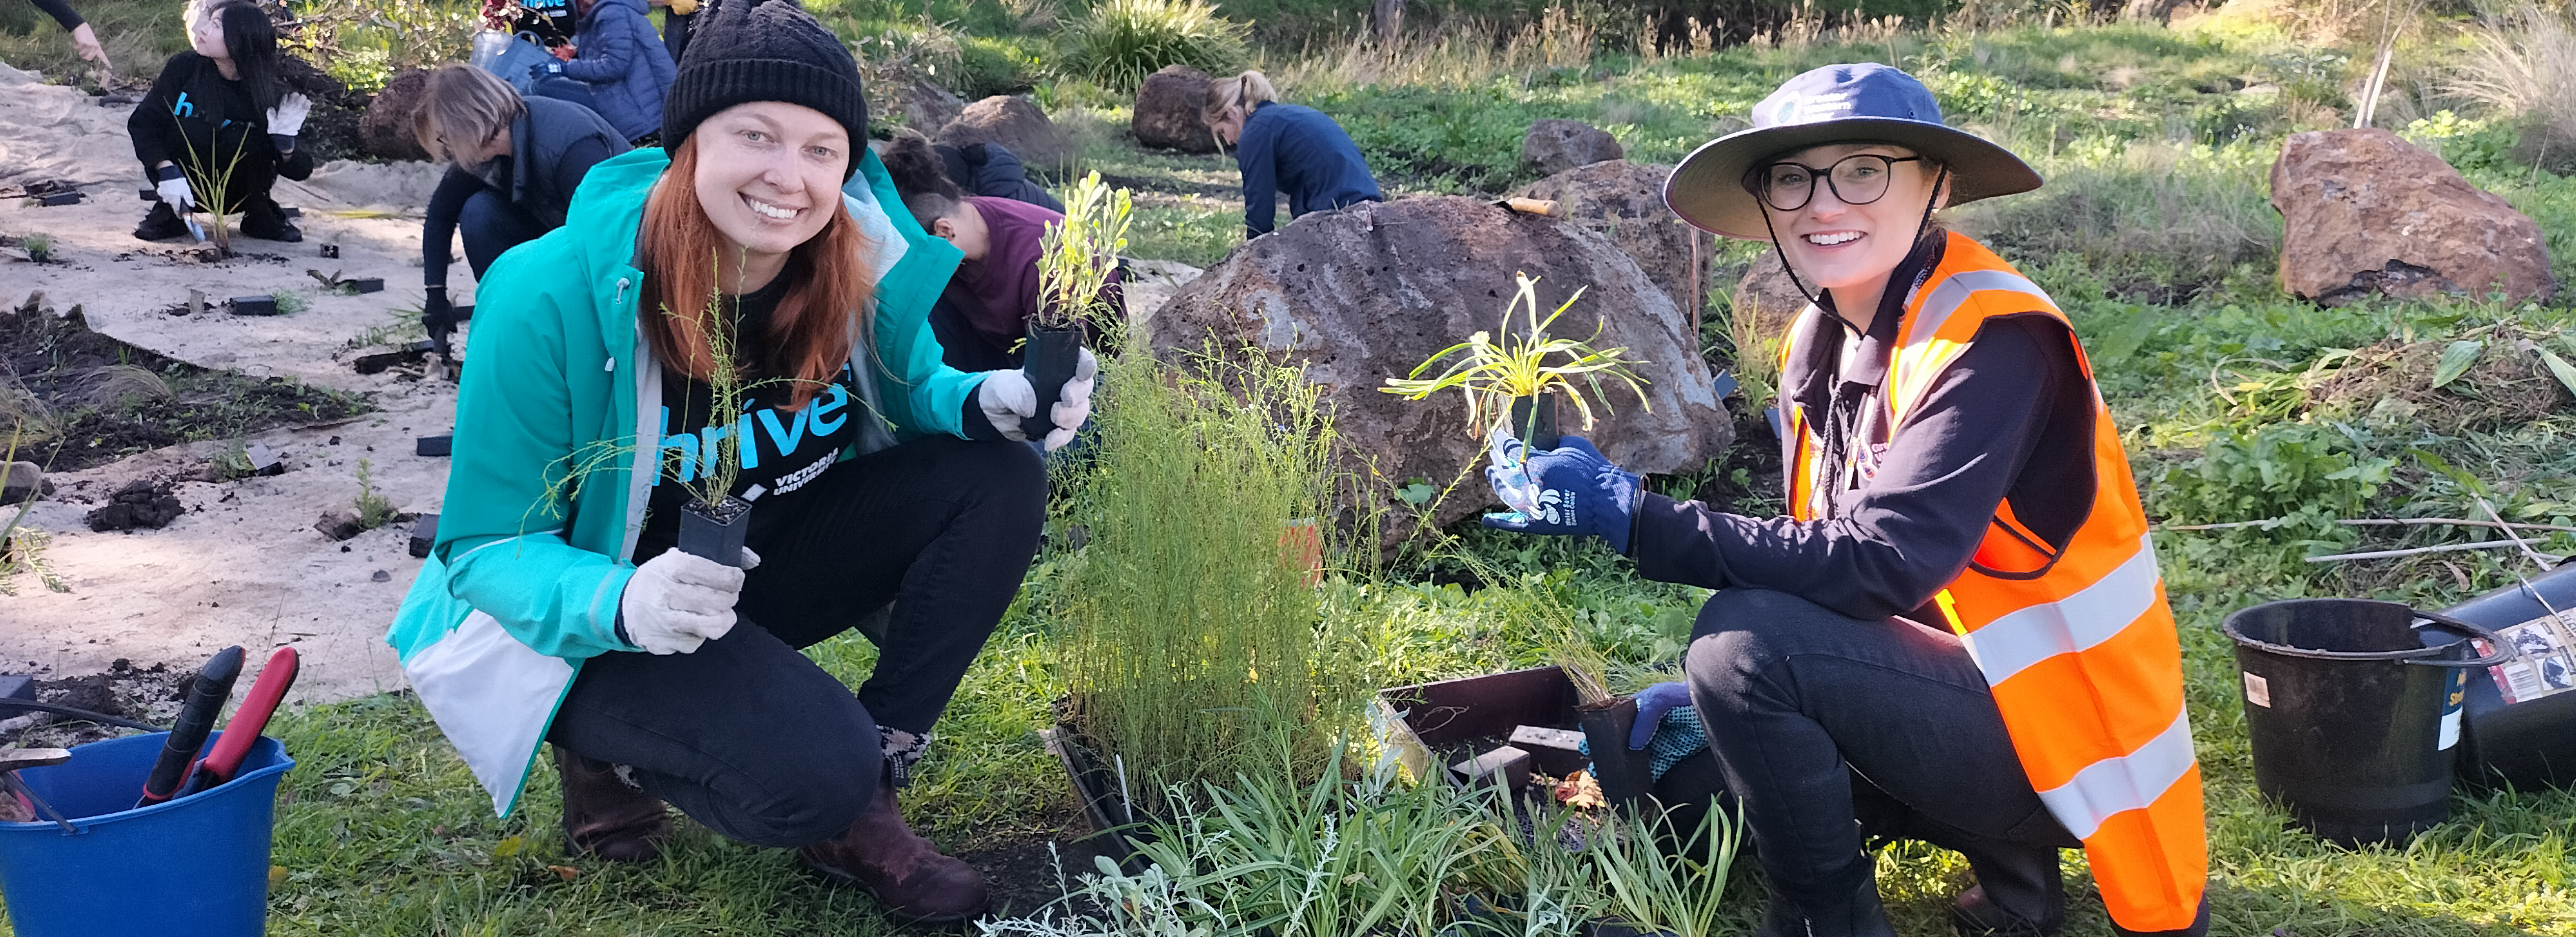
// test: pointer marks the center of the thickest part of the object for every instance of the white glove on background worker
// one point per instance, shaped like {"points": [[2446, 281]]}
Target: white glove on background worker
{"points": [[174, 190], [1006, 398], [677, 601], [287, 118]]}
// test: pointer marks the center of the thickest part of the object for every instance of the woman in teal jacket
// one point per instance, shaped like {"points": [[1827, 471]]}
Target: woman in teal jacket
{"points": [[554, 608]]}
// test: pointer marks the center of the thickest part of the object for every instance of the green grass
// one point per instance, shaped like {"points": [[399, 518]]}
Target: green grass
{"points": [[2152, 234]]}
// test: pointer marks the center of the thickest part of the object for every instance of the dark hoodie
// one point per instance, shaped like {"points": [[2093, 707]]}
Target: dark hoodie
{"points": [[623, 61]]}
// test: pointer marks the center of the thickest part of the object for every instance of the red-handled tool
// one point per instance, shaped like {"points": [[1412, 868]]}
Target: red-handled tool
{"points": [[196, 718], [225, 759]]}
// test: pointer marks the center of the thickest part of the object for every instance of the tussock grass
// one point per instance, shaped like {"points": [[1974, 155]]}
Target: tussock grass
{"points": [[1191, 643], [2522, 64], [1119, 42]]}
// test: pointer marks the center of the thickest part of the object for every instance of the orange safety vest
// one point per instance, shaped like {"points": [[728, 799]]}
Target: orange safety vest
{"points": [[2078, 645]]}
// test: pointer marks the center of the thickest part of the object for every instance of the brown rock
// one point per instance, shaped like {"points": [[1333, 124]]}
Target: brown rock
{"points": [[926, 107], [19, 481], [339, 525], [1624, 202], [385, 131], [1555, 146], [2364, 212], [1168, 109], [1017, 124], [1767, 294], [1368, 292]]}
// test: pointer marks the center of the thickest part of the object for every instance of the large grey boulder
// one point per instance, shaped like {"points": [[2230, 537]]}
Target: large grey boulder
{"points": [[1368, 292], [2364, 212], [1018, 124], [1555, 145], [1624, 202]]}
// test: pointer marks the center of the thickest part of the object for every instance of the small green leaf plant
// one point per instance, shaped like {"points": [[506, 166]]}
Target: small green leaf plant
{"points": [[374, 509], [211, 184], [1491, 373], [1076, 255]]}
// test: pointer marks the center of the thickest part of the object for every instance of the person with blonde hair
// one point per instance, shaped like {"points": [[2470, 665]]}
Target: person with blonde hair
{"points": [[1285, 148], [513, 164]]}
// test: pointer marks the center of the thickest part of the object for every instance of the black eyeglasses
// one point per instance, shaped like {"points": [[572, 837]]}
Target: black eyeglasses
{"points": [[1858, 179]]}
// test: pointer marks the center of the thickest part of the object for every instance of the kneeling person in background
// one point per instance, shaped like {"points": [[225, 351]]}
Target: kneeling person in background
{"points": [[513, 164], [218, 128]]}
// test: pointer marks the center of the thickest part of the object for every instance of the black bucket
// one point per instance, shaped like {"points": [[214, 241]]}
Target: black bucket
{"points": [[2347, 709], [2521, 729]]}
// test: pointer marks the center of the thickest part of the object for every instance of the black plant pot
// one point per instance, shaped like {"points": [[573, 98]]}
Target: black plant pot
{"points": [[1049, 361], [715, 531], [1097, 784], [1534, 420], [1624, 774]]}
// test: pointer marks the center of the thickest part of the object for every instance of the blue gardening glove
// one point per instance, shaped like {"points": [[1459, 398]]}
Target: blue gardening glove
{"points": [[1652, 703], [1578, 491]]}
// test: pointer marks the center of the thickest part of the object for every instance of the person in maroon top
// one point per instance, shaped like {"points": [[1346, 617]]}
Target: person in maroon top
{"points": [[985, 311]]}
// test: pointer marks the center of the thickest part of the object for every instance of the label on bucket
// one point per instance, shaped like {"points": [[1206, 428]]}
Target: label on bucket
{"points": [[2455, 697], [2547, 666], [2258, 691]]}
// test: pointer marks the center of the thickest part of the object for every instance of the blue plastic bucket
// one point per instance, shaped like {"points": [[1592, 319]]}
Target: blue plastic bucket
{"points": [[197, 865]]}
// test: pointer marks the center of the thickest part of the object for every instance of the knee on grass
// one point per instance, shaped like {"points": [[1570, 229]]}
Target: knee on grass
{"points": [[808, 803]]}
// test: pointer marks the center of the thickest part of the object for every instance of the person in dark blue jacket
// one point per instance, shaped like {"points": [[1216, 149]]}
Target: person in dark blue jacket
{"points": [[1285, 148], [619, 55], [513, 166]]}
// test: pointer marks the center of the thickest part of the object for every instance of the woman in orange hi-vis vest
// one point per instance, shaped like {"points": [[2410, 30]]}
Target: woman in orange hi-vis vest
{"points": [[1958, 633]]}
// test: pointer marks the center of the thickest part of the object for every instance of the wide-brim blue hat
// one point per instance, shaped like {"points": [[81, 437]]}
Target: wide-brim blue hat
{"points": [[1862, 103]]}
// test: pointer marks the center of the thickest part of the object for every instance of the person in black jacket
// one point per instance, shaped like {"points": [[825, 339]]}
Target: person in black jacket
{"points": [[513, 166], [219, 117], [84, 39], [986, 169]]}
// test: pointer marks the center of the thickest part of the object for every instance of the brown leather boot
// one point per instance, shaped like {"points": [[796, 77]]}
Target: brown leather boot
{"points": [[605, 818], [904, 871]]}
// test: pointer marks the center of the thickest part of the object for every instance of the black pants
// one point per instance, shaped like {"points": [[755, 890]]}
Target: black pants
{"points": [[492, 225], [755, 741], [1819, 720]]}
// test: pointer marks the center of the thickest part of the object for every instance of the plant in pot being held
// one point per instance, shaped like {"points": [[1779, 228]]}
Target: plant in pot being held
{"points": [[1075, 259], [1522, 375]]}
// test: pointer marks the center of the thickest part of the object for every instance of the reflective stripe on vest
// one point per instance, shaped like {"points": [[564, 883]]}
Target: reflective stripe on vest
{"points": [[2075, 639]]}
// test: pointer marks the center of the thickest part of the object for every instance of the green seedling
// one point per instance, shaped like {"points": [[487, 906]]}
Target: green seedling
{"points": [[1490, 373], [39, 247], [374, 509]]}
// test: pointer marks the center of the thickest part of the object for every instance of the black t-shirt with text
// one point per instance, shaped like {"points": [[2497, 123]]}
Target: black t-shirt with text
{"points": [[778, 451]]}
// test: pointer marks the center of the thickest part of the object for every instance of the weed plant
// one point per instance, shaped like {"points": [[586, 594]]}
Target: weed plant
{"points": [[1191, 632], [1119, 42], [374, 509]]}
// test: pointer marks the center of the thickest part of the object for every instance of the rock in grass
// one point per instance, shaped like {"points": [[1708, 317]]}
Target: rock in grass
{"points": [[339, 525], [385, 130], [1554, 146], [1169, 109], [138, 505], [1769, 295], [1368, 292], [1624, 202], [2365, 213], [926, 107], [20, 481], [1015, 122]]}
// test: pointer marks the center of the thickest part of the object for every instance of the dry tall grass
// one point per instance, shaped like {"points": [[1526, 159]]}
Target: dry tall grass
{"points": [[2523, 65]]}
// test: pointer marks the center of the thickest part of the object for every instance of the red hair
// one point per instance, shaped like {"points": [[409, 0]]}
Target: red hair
{"points": [[817, 321]]}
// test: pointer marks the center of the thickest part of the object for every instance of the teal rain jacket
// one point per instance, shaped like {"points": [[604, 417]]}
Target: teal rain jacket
{"points": [[549, 477]]}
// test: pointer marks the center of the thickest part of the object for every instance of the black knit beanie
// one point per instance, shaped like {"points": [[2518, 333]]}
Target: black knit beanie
{"points": [[764, 50]]}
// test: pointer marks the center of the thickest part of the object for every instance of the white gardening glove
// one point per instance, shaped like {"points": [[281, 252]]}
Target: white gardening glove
{"points": [[287, 118], [175, 192], [1007, 398], [677, 601], [1073, 405]]}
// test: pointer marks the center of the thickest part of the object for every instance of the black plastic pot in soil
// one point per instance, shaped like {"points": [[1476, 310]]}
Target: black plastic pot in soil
{"points": [[1430, 726], [2350, 712], [1098, 785], [2520, 717], [1533, 419], [715, 531], [254, 305], [1050, 360]]}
